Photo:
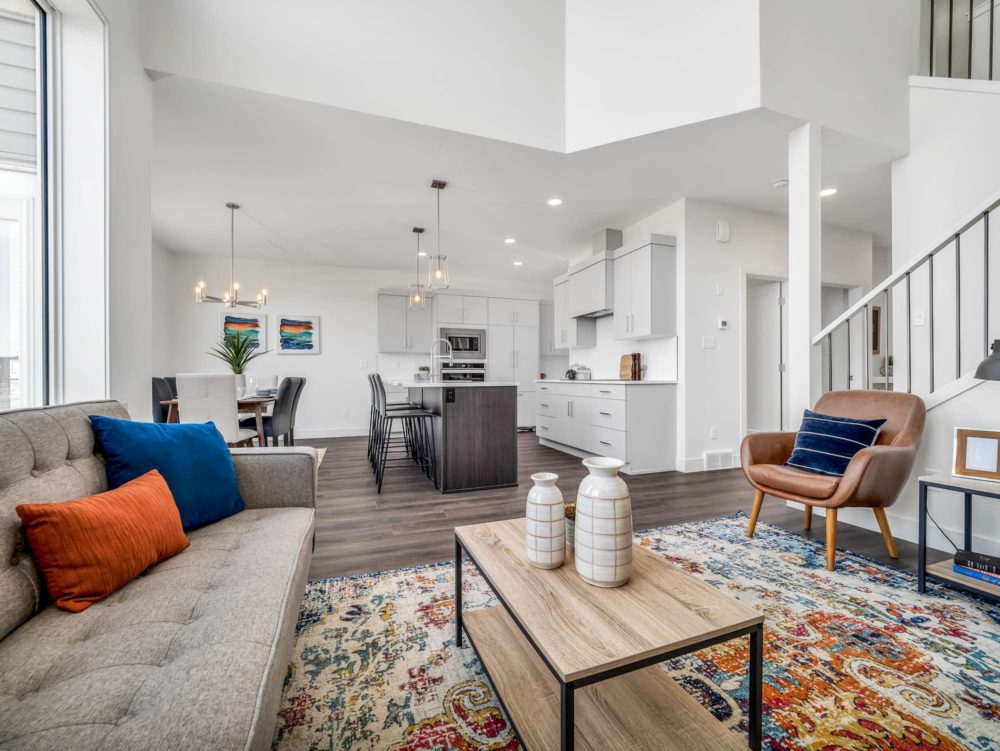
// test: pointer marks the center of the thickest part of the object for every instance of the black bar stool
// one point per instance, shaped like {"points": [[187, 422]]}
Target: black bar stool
{"points": [[375, 424], [418, 435]]}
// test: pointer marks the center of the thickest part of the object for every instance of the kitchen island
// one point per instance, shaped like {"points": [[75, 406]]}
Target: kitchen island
{"points": [[475, 431]]}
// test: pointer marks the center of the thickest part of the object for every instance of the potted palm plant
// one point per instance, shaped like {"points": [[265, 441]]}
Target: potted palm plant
{"points": [[238, 352]]}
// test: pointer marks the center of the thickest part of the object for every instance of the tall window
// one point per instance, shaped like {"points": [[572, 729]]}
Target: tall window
{"points": [[23, 253]]}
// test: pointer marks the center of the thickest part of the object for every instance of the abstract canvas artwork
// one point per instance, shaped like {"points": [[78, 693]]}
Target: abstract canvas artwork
{"points": [[253, 325], [298, 335]]}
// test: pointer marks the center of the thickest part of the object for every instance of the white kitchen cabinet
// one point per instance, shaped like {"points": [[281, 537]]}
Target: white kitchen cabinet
{"points": [[449, 308], [547, 329], [513, 354], [507, 312], [500, 353], [526, 313], [570, 332], [391, 323], [525, 409], [632, 422], [401, 330], [465, 309], [645, 282], [501, 311]]}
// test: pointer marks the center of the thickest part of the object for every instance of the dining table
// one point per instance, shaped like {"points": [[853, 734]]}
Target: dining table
{"points": [[254, 405]]}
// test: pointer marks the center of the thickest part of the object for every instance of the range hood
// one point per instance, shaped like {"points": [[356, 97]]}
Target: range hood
{"points": [[592, 281]]}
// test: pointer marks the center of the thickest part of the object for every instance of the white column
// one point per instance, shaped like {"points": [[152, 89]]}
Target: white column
{"points": [[804, 253]]}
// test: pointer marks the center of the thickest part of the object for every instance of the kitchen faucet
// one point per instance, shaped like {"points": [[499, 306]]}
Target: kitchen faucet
{"points": [[450, 356]]}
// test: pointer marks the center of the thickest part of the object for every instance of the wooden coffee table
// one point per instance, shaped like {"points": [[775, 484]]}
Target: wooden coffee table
{"points": [[576, 665]]}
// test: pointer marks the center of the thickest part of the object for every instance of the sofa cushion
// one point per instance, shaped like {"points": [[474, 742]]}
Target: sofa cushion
{"points": [[188, 656], [47, 455], [89, 547], [794, 481], [193, 458]]}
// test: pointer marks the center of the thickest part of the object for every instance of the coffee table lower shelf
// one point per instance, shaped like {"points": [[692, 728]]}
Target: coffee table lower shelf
{"points": [[644, 709]]}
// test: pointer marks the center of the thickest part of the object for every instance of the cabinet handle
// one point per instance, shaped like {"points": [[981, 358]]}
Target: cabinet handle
{"points": [[605, 443], [606, 414], [568, 413], [603, 391], [542, 404], [544, 427]]}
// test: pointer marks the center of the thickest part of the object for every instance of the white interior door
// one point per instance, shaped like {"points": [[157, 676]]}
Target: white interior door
{"points": [[765, 392]]}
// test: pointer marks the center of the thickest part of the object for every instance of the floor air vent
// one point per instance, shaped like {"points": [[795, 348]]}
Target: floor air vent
{"points": [[718, 459]]}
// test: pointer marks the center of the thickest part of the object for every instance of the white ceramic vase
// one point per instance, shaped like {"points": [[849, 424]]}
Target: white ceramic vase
{"points": [[602, 541], [545, 523]]}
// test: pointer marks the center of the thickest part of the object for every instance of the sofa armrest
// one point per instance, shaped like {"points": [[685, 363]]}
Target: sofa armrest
{"points": [[766, 448], [875, 476], [283, 476]]}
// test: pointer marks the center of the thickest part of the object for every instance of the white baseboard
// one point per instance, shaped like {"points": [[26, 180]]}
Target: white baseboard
{"points": [[907, 528]]}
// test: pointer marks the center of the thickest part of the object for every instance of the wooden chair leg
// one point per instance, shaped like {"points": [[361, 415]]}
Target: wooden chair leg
{"points": [[809, 517], [831, 539], [883, 524], [758, 501]]}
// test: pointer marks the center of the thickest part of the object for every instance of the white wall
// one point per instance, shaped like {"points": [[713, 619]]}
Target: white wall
{"points": [[842, 64], [951, 170], [130, 257], [336, 399], [642, 66], [493, 68]]}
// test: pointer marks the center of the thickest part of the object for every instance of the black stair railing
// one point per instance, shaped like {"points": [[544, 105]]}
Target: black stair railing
{"points": [[962, 38]]}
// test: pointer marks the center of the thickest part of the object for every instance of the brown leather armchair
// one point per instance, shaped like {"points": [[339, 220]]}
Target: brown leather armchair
{"points": [[874, 477]]}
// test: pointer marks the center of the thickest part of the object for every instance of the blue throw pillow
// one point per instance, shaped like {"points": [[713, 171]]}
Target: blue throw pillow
{"points": [[193, 459], [826, 444]]}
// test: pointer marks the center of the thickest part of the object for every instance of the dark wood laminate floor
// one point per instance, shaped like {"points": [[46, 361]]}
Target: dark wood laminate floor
{"points": [[358, 530]]}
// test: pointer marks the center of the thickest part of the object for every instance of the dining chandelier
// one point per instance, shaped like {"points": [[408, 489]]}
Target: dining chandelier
{"points": [[231, 296]]}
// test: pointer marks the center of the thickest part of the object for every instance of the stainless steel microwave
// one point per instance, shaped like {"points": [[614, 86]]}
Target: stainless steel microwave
{"points": [[466, 344]]}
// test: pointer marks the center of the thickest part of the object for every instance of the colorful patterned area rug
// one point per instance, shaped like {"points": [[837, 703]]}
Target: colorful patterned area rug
{"points": [[854, 659]]}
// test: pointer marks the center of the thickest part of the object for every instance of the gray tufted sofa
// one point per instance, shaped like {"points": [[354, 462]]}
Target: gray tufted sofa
{"points": [[192, 655]]}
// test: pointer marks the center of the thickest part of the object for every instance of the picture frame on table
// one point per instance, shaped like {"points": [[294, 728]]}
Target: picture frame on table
{"points": [[245, 323], [976, 454], [298, 335]]}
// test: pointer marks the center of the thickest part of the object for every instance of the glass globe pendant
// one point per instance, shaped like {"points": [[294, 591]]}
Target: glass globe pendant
{"points": [[437, 270], [418, 297]]}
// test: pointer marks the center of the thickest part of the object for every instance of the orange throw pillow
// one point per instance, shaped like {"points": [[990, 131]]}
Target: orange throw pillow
{"points": [[89, 547]]}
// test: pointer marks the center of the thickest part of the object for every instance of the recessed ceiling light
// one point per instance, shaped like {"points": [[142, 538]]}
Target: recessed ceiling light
{"points": [[827, 192], [510, 240], [422, 253], [519, 263], [554, 202]]}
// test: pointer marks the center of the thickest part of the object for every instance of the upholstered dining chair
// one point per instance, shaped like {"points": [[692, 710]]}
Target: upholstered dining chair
{"points": [[282, 418], [204, 397], [161, 393], [873, 479]]}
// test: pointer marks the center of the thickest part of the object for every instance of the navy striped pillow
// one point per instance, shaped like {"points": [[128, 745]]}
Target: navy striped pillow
{"points": [[826, 444]]}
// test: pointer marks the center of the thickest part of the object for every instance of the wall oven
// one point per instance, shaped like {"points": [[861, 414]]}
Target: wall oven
{"points": [[464, 371], [466, 344]]}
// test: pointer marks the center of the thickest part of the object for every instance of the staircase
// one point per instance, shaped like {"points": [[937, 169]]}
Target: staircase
{"points": [[926, 327]]}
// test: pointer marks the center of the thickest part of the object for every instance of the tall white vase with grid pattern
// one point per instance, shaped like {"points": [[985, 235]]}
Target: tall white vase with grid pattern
{"points": [[545, 522], [602, 541]]}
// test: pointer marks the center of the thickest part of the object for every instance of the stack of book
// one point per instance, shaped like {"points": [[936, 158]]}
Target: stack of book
{"points": [[978, 566]]}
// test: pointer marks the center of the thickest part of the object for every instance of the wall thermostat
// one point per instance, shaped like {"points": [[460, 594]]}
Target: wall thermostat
{"points": [[723, 324]]}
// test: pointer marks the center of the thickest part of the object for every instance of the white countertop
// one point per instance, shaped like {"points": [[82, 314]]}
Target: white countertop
{"points": [[605, 381], [447, 384]]}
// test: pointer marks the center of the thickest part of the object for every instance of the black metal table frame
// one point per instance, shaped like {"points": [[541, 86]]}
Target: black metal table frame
{"points": [[922, 572], [567, 688]]}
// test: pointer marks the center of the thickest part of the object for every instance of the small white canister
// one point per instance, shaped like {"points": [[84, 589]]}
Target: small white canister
{"points": [[545, 523]]}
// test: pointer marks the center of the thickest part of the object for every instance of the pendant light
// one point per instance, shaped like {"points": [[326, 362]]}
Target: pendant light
{"points": [[437, 270], [230, 298], [418, 298]]}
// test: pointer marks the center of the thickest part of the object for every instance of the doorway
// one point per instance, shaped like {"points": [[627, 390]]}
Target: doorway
{"points": [[767, 353]]}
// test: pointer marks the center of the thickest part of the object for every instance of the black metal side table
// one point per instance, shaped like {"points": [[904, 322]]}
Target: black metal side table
{"points": [[942, 571]]}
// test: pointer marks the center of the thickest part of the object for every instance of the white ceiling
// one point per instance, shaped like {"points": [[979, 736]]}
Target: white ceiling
{"points": [[326, 185]]}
